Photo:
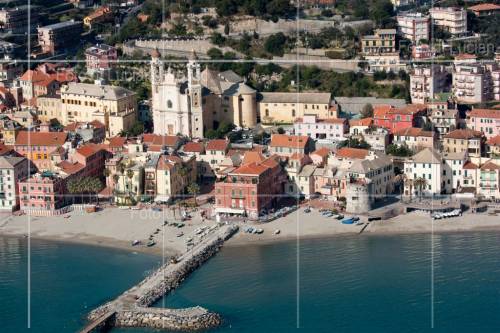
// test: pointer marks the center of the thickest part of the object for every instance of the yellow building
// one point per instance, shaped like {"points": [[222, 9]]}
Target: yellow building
{"points": [[464, 140], [115, 107], [49, 107], [286, 107]]}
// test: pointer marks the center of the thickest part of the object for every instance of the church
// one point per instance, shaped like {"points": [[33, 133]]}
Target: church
{"points": [[201, 101]]}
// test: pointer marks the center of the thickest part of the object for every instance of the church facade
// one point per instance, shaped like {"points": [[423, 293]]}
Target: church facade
{"points": [[201, 101]]}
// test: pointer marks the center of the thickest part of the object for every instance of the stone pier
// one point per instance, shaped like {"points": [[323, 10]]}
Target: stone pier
{"points": [[132, 308]]}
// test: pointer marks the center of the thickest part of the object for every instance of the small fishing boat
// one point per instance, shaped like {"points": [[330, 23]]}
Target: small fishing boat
{"points": [[348, 221], [136, 242], [180, 234], [151, 243], [259, 231], [277, 231]]}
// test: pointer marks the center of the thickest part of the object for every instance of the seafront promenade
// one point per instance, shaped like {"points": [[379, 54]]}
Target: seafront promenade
{"points": [[132, 308]]}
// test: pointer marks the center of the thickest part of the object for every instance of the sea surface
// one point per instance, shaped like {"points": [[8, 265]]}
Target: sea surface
{"points": [[396, 283]]}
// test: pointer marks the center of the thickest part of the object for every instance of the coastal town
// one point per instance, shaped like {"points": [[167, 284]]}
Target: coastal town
{"points": [[349, 121], [168, 129]]}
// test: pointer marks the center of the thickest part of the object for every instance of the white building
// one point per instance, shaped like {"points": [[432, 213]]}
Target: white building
{"points": [[455, 163], [413, 26], [426, 82], [472, 83], [451, 19], [427, 165], [330, 129], [176, 103], [12, 170]]}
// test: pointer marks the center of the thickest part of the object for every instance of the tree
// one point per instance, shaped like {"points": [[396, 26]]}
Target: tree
{"points": [[420, 183], [226, 28], [367, 111], [275, 44], [194, 189], [217, 39], [354, 143], [280, 130]]}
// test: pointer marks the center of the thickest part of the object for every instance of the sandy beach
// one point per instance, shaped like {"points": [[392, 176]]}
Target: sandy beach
{"points": [[116, 227]]}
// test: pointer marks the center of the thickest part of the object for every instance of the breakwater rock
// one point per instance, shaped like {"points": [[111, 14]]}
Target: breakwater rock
{"points": [[132, 308]]}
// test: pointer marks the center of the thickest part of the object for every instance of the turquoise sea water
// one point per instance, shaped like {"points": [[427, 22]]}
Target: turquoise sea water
{"points": [[345, 284]]}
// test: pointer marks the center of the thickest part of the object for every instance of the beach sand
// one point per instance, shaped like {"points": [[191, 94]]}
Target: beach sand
{"points": [[116, 227]]}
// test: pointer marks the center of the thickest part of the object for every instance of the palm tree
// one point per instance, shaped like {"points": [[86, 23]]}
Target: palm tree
{"points": [[194, 189], [73, 187], [130, 175], [420, 183]]}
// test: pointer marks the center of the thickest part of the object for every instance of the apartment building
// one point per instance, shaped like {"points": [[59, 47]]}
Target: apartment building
{"points": [[464, 140], [443, 119], [485, 120], [44, 149], [424, 174], [489, 180], [472, 83], [173, 175], [413, 26], [15, 20], [426, 81], [287, 107], [485, 9], [316, 128], [251, 189], [395, 119], [55, 38], [100, 58], [422, 51], [13, 169], [383, 41], [451, 19], [115, 107], [43, 194], [287, 145], [100, 15], [415, 138]]}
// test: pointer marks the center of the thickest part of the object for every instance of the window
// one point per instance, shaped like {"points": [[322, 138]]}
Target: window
{"points": [[169, 104]]}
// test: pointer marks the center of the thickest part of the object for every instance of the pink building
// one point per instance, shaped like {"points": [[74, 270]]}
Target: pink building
{"points": [[485, 120], [42, 194], [100, 58], [331, 129]]}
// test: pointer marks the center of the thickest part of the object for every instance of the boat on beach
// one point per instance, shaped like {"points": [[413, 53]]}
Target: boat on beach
{"points": [[348, 221]]}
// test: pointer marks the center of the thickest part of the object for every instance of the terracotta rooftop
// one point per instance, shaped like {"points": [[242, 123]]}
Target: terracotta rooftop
{"points": [[495, 141], [253, 169], [323, 152], [347, 152], [41, 138], [463, 134], [88, 150], [413, 131], [193, 147], [470, 166], [484, 7], [484, 113], [361, 122], [219, 144], [291, 141], [490, 166], [160, 140], [252, 157], [70, 168], [117, 142]]}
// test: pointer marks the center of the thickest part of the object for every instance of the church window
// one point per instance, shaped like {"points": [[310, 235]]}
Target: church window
{"points": [[169, 104]]}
